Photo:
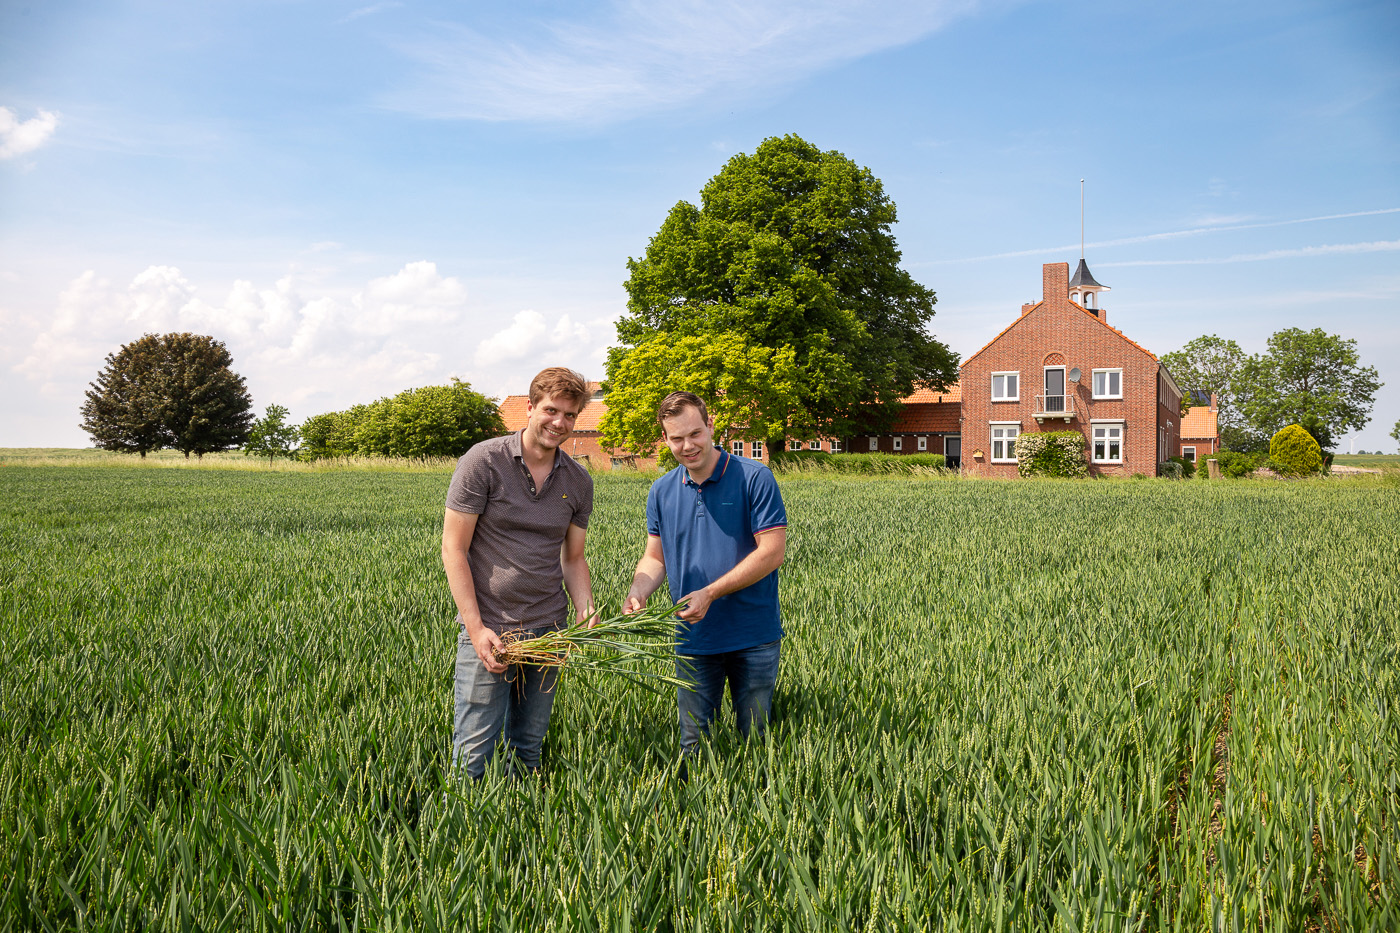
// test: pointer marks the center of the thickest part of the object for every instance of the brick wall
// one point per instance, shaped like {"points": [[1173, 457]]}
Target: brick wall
{"points": [[1056, 332]]}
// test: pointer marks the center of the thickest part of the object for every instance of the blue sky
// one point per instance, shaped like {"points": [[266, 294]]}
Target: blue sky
{"points": [[363, 197]]}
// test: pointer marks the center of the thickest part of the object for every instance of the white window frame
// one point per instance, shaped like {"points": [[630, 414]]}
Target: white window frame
{"points": [[874, 443], [1094, 383], [736, 448], [836, 445], [1000, 437], [1107, 427], [794, 444], [756, 448], [814, 444], [1016, 375], [1188, 452], [923, 443], [898, 444]]}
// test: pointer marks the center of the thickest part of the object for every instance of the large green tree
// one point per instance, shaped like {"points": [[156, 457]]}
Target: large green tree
{"points": [[1310, 378], [168, 390], [788, 264], [1209, 364]]}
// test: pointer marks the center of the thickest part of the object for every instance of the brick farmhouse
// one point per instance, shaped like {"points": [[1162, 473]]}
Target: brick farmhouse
{"points": [[1058, 367]]}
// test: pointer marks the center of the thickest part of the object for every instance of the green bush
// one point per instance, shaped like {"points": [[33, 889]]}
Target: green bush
{"points": [[1170, 469], [1237, 465], [874, 464], [1051, 453], [1188, 469], [433, 421], [1294, 452]]}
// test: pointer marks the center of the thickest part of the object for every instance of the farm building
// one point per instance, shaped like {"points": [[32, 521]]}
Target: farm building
{"points": [[1060, 366], [1200, 429]]}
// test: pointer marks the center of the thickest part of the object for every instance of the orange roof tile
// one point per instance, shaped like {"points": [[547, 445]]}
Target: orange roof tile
{"points": [[951, 394], [1200, 422]]}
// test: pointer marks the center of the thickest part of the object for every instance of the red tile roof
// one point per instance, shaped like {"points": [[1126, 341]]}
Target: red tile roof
{"points": [[927, 411], [1200, 422]]}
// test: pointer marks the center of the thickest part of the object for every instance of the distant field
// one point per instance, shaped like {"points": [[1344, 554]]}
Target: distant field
{"points": [[1371, 461], [1040, 705], [224, 460]]}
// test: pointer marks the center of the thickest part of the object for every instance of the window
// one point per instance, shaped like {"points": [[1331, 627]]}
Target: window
{"points": [[898, 444], [1108, 383], [923, 443], [1004, 443], [814, 445], [874, 443], [1188, 454], [757, 448], [1108, 443], [836, 445], [794, 444], [737, 448], [1006, 387]]}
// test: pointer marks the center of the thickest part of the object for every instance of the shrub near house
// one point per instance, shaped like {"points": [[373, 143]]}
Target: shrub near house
{"points": [[1294, 452]]}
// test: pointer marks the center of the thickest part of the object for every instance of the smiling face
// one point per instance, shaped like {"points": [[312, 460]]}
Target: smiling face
{"points": [[692, 441], [550, 421]]}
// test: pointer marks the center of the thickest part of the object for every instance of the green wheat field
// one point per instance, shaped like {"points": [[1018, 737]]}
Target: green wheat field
{"points": [[1036, 705]]}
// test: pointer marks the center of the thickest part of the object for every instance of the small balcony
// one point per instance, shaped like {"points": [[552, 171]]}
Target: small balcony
{"points": [[1054, 408]]}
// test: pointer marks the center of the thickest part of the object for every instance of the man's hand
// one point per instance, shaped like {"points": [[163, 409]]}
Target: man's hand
{"points": [[633, 604], [486, 642], [697, 604], [590, 614]]}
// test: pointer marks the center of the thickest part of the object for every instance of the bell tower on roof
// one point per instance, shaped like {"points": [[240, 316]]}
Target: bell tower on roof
{"points": [[1084, 290]]}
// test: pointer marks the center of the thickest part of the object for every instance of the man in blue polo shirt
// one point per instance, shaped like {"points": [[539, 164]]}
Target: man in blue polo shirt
{"points": [[716, 530]]}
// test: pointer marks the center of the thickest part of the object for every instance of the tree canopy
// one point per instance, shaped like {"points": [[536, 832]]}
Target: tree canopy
{"points": [[433, 421], [1310, 378], [271, 436], [170, 390], [780, 299], [1209, 364]]}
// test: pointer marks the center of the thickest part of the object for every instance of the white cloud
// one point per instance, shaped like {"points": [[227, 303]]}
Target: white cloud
{"points": [[311, 347], [17, 138], [641, 56]]}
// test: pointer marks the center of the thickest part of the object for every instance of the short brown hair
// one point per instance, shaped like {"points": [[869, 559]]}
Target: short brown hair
{"points": [[559, 380], [677, 402]]}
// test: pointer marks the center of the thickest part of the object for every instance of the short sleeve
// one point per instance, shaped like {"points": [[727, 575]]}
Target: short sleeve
{"points": [[471, 483], [653, 513], [766, 508], [584, 507]]}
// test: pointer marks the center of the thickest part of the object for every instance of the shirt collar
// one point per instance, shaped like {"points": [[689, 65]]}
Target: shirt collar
{"points": [[716, 474], [516, 446]]}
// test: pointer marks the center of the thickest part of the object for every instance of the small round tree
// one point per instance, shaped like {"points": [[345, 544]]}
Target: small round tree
{"points": [[1294, 451]]}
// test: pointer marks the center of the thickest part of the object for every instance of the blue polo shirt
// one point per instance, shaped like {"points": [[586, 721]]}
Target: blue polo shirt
{"points": [[705, 531]]}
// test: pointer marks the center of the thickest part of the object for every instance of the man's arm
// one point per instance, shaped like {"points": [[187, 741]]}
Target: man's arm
{"points": [[651, 571], [457, 531], [767, 556], [576, 578]]}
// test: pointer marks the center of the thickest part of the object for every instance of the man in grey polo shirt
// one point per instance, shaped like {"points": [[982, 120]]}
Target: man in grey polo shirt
{"points": [[517, 513]]}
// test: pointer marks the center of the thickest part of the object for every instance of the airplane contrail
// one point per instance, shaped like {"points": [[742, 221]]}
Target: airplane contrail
{"points": [[1149, 237]]}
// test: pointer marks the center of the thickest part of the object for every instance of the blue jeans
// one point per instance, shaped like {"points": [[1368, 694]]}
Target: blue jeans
{"points": [[752, 673], [518, 701]]}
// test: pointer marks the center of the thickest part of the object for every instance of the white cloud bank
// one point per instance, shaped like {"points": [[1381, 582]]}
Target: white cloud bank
{"points": [[311, 348], [17, 138], [640, 56]]}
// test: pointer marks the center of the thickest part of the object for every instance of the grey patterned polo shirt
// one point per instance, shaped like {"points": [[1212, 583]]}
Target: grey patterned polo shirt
{"points": [[514, 553]]}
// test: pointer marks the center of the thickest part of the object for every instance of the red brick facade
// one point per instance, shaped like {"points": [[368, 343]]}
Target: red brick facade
{"points": [[1056, 334]]}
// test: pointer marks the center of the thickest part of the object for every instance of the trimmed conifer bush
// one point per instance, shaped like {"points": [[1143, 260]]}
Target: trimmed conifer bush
{"points": [[1293, 451]]}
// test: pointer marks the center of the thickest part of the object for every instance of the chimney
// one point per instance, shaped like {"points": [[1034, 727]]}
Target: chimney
{"points": [[1056, 278], [1025, 308]]}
